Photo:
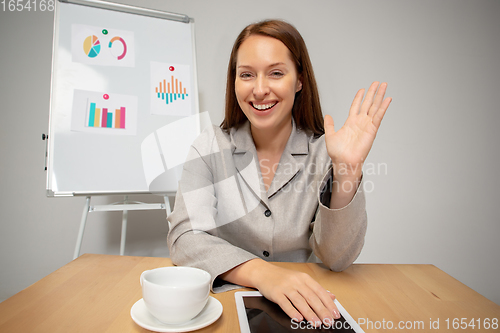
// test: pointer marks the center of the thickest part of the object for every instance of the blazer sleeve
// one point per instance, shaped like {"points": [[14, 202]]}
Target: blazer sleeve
{"points": [[338, 234], [192, 237]]}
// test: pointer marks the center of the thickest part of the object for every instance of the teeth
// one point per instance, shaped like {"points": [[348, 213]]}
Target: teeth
{"points": [[264, 106]]}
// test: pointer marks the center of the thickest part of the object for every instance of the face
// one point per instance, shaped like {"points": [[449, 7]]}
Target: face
{"points": [[266, 82]]}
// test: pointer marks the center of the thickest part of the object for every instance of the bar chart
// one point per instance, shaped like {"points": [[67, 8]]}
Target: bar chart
{"points": [[171, 90], [106, 118]]}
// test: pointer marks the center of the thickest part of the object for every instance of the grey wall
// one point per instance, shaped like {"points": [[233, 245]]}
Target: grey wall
{"points": [[433, 168]]}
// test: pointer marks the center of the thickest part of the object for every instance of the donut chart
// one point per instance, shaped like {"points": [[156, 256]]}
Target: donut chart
{"points": [[91, 46], [114, 39]]}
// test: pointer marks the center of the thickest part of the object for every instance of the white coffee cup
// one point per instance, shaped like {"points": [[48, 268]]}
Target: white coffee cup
{"points": [[175, 295]]}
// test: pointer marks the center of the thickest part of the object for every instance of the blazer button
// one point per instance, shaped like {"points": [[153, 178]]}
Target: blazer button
{"points": [[267, 213], [265, 253]]}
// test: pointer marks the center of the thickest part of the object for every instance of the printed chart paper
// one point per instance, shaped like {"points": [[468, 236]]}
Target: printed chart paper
{"points": [[101, 46], [170, 89], [102, 113]]}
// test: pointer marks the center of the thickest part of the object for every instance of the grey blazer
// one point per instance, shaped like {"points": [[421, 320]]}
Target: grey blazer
{"points": [[223, 215]]}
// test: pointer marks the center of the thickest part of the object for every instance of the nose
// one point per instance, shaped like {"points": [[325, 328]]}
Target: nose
{"points": [[261, 87]]}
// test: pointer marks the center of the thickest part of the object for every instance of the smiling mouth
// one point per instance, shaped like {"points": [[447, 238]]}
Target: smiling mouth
{"points": [[263, 107]]}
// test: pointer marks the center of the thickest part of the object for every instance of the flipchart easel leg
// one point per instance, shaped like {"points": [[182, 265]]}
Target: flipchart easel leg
{"points": [[167, 208], [124, 206], [83, 222], [124, 227]]}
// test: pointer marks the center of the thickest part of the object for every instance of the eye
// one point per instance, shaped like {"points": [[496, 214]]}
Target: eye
{"points": [[245, 75], [277, 74]]}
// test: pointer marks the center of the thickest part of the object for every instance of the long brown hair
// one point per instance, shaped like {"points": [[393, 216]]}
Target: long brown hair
{"points": [[306, 109]]}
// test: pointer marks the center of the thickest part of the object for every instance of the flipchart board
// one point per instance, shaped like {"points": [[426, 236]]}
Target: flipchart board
{"points": [[123, 97]]}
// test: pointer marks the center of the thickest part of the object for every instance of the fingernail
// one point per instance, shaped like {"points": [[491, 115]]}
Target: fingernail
{"points": [[331, 294], [336, 314], [316, 322]]}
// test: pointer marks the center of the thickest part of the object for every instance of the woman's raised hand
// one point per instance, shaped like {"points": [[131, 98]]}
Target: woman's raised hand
{"points": [[349, 146]]}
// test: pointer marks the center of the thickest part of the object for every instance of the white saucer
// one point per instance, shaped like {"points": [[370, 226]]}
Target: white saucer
{"points": [[210, 313]]}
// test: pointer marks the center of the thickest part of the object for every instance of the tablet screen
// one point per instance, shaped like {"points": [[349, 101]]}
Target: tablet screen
{"points": [[265, 316]]}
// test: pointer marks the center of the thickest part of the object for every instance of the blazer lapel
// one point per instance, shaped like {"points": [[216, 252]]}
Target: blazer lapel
{"points": [[246, 161], [291, 161]]}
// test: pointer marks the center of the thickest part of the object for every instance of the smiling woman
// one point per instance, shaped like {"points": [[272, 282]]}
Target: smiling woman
{"points": [[306, 107], [265, 85], [245, 195]]}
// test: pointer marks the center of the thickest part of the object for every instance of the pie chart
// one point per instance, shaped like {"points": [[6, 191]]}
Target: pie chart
{"points": [[91, 46], [123, 49]]}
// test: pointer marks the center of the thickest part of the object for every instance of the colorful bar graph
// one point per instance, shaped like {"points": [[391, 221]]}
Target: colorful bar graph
{"points": [[170, 91], [122, 117], [104, 118], [92, 115], [109, 122], [97, 117], [117, 118]]}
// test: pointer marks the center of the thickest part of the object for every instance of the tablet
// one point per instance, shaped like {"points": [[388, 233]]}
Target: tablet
{"points": [[259, 315]]}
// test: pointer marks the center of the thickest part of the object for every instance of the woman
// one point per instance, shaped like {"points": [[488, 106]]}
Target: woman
{"points": [[275, 182]]}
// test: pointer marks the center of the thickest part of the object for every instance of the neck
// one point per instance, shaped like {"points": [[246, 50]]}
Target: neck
{"points": [[272, 141]]}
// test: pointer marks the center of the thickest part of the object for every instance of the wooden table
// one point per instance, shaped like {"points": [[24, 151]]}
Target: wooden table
{"points": [[94, 293]]}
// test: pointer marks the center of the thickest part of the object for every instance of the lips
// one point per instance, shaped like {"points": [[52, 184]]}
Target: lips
{"points": [[263, 107]]}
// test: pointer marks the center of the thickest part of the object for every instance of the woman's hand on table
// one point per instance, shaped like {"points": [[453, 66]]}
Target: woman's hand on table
{"points": [[297, 293]]}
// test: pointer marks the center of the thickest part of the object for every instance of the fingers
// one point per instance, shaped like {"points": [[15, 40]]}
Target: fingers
{"points": [[330, 304], [299, 295], [289, 309], [354, 110], [373, 101], [328, 124], [378, 99], [311, 307], [304, 307], [368, 102], [315, 303], [379, 115], [334, 309]]}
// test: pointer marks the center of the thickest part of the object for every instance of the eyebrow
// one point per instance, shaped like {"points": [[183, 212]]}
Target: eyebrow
{"points": [[271, 65]]}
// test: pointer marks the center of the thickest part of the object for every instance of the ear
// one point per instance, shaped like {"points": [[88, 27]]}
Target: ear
{"points": [[299, 85]]}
